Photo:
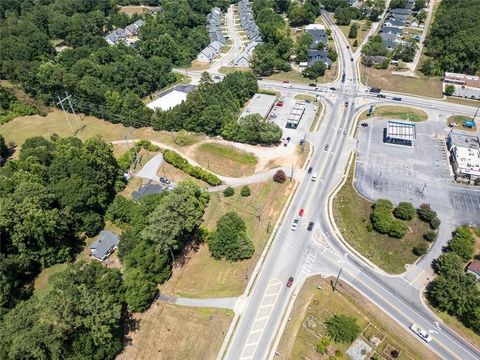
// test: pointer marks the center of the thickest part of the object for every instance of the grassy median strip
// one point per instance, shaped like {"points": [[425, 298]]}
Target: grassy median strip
{"points": [[397, 113], [352, 216]]}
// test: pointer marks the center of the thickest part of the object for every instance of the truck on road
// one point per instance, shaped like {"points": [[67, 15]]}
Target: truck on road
{"points": [[421, 333]]}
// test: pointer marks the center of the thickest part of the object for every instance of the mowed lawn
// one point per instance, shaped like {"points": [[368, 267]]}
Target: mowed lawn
{"points": [[171, 332], [313, 306], [202, 276], [397, 113], [225, 160], [361, 33], [24, 127], [384, 79], [458, 120], [352, 214]]}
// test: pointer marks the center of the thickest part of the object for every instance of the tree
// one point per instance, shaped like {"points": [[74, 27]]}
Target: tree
{"points": [[426, 214], [355, 43], [419, 4], [421, 249], [280, 177], [245, 191], [332, 54], [421, 16], [140, 289], [394, 4], [404, 211], [342, 328], [353, 32], [281, 6], [4, 152], [229, 191], [315, 70], [427, 67], [449, 90], [230, 240], [463, 243], [430, 236], [374, 47], [405, 52], [449, 264]]}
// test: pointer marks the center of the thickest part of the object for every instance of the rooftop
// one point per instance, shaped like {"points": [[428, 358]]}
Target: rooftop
{"points": [[102, 247], [462, 79], [171, 98], [474, 266], [468, 160], [401, 130], [260, 104]]}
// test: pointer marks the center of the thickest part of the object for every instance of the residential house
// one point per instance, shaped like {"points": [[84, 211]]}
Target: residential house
{"points": [[390, 40], [127, 35], [207, 54], [399, 11], [241, 60], [474, 268], [391, 30], [115, 36], [105, 245], [315, 56], [373, 60], [398, 23], [319, 35]]}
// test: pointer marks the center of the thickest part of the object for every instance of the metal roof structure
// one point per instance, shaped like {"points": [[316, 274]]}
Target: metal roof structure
{"points": [[401, 131]]}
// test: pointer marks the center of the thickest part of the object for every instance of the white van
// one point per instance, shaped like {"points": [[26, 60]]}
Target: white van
{"points": [[314, 177]]}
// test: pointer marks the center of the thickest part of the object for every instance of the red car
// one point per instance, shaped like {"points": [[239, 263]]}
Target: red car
{"points": [[279, 103], [300, 213], [290, 281]]}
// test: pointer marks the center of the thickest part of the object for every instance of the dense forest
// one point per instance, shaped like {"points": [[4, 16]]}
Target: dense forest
{"points": [[57, 190], [454, 40], [105, 81]]}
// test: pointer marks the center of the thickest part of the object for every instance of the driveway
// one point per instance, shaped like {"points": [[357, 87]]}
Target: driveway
{"points": [[149, 170]]}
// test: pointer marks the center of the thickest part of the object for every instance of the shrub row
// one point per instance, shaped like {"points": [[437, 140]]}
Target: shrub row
{"points": [[181, 163], [125, 161], [426, 214], [383, 221]]}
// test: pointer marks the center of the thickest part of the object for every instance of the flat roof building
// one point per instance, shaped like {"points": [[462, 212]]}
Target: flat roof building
{"points": [[260, 104], [464, 155], [171, 98], [296, 115], [399, 132]]}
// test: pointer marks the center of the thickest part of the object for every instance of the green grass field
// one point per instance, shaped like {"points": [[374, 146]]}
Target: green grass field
{"points": [[202, 276], [225, 160], [397, 113], [352, 214], [458, 120]]}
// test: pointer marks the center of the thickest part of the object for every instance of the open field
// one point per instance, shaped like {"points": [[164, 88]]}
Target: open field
{"points": [[171, 332], [396, 113], [42, 285], [458, 120], [225, 160], [296, 76], [202, 276], [301, 335], [352, 215], [361, 33], [431, 87], [132, 10], [227, 70], [24, 127]]}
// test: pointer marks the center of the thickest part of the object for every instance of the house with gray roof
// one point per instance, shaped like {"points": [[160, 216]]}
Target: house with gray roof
{"points": [[395, 23], [400, 11], [207, 54], [319, 35], [315, 56], [105, 245], [390, 40], [391, 30], [120, 34]]}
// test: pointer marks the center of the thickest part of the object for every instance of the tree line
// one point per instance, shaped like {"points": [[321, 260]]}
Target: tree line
{"points": [[453, 43], [453, 290], [213, 109]]}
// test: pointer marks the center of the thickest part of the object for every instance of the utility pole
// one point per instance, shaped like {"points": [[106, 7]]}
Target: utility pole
{"points": [[336, 280], [60, 102], [291, 174]]}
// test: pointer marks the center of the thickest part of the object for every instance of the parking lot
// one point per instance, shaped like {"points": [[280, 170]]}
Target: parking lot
{"points": [[419, 174]]}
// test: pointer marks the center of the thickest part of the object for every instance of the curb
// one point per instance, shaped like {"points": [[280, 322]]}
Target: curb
{"points": [[259, 265]]}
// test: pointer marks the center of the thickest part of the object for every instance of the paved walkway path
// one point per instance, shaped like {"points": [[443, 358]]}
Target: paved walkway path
{"points": [[223, 303]]}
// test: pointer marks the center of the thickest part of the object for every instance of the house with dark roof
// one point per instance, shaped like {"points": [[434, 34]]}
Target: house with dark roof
{"points": [[105, 245], [474, 268], [390, 40], [314, 56], [399, 11], [319, 35], [392, 22]]}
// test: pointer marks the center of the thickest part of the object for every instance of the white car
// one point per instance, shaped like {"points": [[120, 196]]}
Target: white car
{"points": [[421, 333], [295, 225]]}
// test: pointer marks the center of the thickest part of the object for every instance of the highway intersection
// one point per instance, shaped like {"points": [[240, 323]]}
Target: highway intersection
{"points": [[267, 301]]}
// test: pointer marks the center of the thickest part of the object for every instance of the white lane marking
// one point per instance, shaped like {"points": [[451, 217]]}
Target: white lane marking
{"points": [[262, 316]]}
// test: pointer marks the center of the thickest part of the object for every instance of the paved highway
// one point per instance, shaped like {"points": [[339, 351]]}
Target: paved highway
{"points": [[302, 253]]}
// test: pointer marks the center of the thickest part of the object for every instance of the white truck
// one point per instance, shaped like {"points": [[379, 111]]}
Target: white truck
{"points": [[421, 333]]}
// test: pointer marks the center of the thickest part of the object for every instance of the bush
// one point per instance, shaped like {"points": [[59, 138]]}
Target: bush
{"points": [[342, 328], [230, 240], [383, 222], [426, 214], [420, 249], [229, 191], [179, 162], [404, 211], [463, 243], [430, 236], [245, 191], [280, 177], [449, 90]]}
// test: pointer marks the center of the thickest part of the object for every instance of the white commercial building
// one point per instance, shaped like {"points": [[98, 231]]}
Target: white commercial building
{"points": [[260, 104]]}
